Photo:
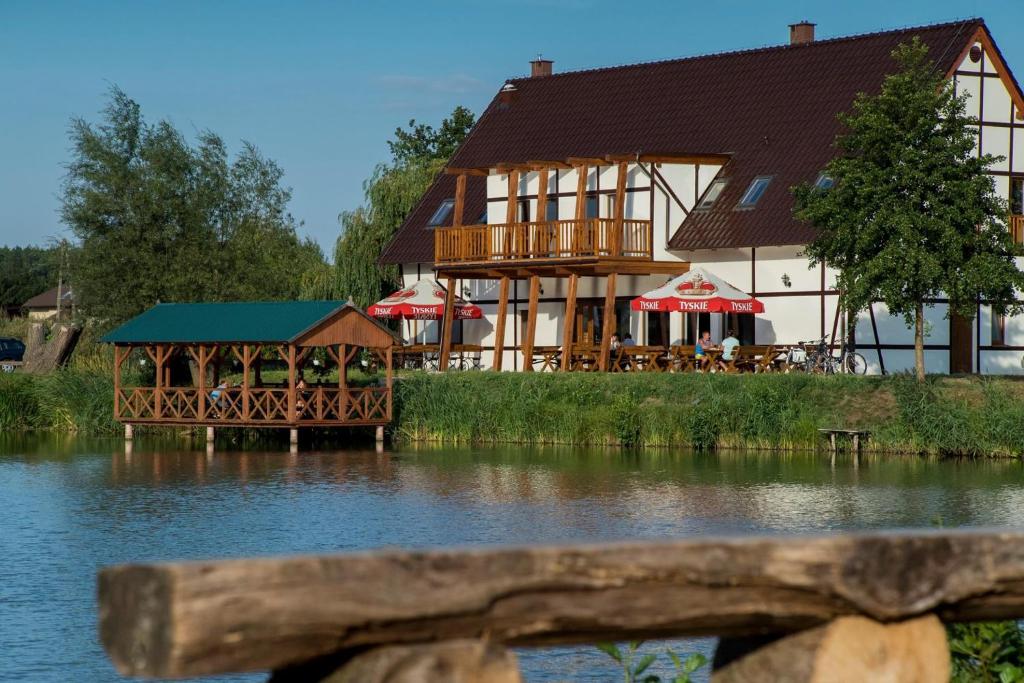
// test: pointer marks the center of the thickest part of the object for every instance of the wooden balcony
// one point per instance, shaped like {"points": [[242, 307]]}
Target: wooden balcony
{"points": [[544, 241]]}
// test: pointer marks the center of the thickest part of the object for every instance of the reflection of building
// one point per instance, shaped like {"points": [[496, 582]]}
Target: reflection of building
{"points": [[44, 306], [579, 191]]}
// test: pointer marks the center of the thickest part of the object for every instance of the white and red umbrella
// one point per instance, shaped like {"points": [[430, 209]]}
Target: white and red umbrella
{"points": [[697, 291], [422, 301]]}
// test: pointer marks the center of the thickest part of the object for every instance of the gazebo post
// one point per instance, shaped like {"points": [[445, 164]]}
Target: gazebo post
{"points": [[499, 324], [291, 384], [202, 381], [608, 329], [158, 398], [447, 320], [117, 380], [570, 322], [246, 361], [343, 378]]}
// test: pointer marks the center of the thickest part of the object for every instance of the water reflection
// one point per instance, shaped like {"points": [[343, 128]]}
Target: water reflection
{"points": [[76, 504]]}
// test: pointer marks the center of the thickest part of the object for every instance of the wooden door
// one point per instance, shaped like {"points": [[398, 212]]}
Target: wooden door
{"points": [[960, 345]]}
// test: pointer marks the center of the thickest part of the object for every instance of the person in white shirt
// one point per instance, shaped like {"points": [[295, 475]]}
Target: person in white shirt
{"points": [[729, 345]]}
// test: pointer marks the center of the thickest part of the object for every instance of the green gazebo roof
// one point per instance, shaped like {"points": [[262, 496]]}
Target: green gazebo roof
{"points": [[263, 322]]}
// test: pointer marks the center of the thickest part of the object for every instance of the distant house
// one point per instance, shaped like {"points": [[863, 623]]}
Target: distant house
{"points": [[44, 306]]}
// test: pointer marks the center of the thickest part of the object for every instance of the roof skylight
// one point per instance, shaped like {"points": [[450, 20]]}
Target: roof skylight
{"points": [[712, 193], [754, 192], [443, 213]]}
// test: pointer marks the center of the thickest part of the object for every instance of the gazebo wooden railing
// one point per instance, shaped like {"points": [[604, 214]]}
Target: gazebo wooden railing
{"points": [[213, 341], [840, 607]]}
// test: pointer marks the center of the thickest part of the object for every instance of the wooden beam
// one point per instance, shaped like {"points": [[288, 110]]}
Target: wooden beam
{"points": [[292, 395], [482, 172], [693, 159], [542, 195], [588, 161], [513, 196], [446, 324], [549, 164], [579, 230], [203, 618], [246, 383], [119, 355], [615, 243], [460, 200], [499, 324], [608, 326], [570, 322], [531, 324], [201, 366]]}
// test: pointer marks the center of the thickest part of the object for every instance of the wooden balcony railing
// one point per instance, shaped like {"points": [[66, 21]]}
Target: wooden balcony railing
{"points": [[321, 405], [1017, 229], [544, 240]]}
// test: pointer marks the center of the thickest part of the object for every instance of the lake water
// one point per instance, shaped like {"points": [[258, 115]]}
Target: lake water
{"points": [[71, 506]]}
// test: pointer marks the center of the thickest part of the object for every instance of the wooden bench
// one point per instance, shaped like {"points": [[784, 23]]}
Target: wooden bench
{"points": [[853, 434], [868, 602]]}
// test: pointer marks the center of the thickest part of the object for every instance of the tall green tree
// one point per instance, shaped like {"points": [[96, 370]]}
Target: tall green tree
{"points": [[418, 154], [160, 219], [912, 215], [25, 272]]}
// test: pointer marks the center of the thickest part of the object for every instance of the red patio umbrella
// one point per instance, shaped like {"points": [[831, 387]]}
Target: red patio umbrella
{"points": [[422, 301], [697, 291]]}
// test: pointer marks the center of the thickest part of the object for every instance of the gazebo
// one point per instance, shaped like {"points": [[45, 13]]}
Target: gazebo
{"points": [[207, 336]]}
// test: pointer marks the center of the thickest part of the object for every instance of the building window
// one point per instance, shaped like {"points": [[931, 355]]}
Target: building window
{"points": [[443, 214], [592, 206], [551, 214], [998, 329], [754, 192], [712, 194], [824, 182], [1017, 196], [610, 205], [523, 211], [483, 218]]}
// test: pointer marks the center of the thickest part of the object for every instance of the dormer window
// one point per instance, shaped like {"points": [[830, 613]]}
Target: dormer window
{"points": [[712, 193], [443, 213], [824, 182], [754, 192]]}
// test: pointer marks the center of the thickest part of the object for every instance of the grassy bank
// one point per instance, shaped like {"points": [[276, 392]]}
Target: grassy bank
{"points": [[952, 416], [965, 416]]}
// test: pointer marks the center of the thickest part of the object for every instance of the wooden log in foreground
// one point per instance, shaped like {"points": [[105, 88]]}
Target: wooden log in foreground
{"points": [[849, 650], [187, 619]]}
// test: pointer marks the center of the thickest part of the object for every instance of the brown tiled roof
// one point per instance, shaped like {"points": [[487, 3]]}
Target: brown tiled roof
{"points": [[48, 299], [773, 110]]}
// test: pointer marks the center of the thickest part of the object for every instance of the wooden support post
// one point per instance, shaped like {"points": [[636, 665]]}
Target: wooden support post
{"points": [[447, 321], [846, 650], [460, 200], [615, 243], [389, 382], [570, 322], [608, 326], [202, 382], [343, 378], [292, 398], [246, 393], [499, 324], [542, 236], [579, 230], [118, 359], [511, 213], [158, 398], [531, 324]]}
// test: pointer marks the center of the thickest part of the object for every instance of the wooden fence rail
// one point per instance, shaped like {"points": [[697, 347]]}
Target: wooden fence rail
{"points": [[199, 618]]}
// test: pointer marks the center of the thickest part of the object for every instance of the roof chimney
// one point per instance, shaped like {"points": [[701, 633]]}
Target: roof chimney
{"points": [[801, 33], [540, 67]]}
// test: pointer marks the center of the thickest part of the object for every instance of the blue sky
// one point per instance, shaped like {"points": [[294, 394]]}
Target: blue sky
{"points": [[320, 86]]}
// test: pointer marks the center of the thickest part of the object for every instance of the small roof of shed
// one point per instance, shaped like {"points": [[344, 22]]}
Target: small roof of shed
{"points": [[281, 322]]}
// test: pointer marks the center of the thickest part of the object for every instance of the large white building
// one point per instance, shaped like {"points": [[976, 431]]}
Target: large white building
{"points": [[609, 181]]}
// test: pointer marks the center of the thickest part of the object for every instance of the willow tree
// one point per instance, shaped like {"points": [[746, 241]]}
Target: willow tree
{"points": [[912, 214], [418, 154]]}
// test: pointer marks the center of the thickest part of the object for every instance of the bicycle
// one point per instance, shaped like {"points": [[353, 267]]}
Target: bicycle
{"points": [[821, 360]]}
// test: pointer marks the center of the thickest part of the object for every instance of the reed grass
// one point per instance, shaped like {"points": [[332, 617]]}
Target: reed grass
{"points": [[977, 416], [945, 416]]}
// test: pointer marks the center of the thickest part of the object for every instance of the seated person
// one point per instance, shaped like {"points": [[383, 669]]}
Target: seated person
{"points": [[704, 344], [627, 340], [729, 345]]}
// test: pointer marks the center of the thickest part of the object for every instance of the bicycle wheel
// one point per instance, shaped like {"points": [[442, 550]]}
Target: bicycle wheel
{"points": [[855, 364]]}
